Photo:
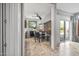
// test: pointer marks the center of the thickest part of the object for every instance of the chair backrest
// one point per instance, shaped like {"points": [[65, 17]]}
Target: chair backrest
{"points": [[37, 34]]}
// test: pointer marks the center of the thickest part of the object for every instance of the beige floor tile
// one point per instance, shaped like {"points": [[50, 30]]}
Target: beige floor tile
{"points": [[33, 48]]}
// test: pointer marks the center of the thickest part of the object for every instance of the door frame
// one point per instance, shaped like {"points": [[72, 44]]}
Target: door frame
{"points": [[65, 29], [3, 29], [22, 31]]}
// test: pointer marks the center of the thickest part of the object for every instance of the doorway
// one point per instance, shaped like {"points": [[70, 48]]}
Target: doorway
{"points": [[64, 30], [37, 31]]}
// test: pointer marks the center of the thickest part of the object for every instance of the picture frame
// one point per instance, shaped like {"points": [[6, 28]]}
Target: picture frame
{"points": [[32, 24]]}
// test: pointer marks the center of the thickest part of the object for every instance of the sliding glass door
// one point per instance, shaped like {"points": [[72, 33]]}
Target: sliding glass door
{"points": [[64, 30]]}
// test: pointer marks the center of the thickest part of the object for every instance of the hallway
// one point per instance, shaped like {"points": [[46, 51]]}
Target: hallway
{"points": [[43, 49]]}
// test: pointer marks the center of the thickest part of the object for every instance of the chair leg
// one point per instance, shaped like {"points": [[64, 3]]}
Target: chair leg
{"points": [[35, 39], [39, 40]]}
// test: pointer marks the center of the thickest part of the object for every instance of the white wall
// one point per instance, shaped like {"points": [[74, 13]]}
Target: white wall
{"points": [[52, 26], [55, 38], [47, 18], [62, 15], [68, 7], [41, 8], [65, 16]]}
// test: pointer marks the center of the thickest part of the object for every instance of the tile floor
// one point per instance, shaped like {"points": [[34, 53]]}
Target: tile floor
{"points": [[33, 48]]}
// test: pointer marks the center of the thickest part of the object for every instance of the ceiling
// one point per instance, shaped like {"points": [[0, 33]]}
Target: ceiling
{"points": [[42, 9], [68, 7]]}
